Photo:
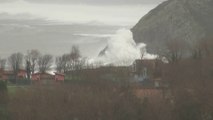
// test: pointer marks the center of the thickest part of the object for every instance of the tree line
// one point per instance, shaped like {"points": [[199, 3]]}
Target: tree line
{"points": [[34, 61], [176, 50]]}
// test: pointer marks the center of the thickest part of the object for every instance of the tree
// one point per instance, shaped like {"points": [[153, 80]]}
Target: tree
{"points": [[45, 62], [2, 64], [202, 49], [3, 86], [59, 64], [174, 50], [31, 59], [4, 98], [15, 61], [75, 52], [75, 56], [28, 69], [62, 63]]}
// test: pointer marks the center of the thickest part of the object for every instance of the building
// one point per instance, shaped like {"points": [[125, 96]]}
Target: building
{"points": [[47, 78], [10, 76], [22, 74], [148, 72], [59, 77], [2, 74]]}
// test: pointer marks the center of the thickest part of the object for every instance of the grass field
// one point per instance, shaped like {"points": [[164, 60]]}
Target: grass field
{"points": [[13, 88]]}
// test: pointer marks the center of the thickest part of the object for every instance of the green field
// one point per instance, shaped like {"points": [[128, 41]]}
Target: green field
{"points": [[12, 88]]}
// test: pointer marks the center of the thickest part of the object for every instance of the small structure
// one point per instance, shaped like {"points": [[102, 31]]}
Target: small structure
{"points": [[59, 77], [47, 78], [2, 76], [9, 75], [148, 72], [22, 74]]}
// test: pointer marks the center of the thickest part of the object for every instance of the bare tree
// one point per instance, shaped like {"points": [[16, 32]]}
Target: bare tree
{"points": [[15, 61], [75, 56], [174, 50], [202, 48], [28, 68], [62, 63], [75, 52], [45, 62], [59, 64], [72, 62], [2, 64], [80, 63], [31, 59]]}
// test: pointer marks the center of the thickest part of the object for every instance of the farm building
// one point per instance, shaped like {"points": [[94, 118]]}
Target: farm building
{"points": [[9, 75], [148, 72], [47, 78]]}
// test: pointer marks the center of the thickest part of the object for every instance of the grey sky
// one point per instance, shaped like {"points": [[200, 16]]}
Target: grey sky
{"points": [[116, 13], [4, 1], [95, 2], [112, 12]]}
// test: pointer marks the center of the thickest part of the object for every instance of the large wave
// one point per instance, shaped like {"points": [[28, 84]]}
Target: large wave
{"points": [[122, 50]]}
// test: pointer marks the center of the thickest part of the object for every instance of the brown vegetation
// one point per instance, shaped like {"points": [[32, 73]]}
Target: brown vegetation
{"points": [[102, 101], [106, 93]]}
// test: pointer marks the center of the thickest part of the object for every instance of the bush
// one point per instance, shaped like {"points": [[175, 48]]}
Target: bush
{"points": [[3, 92], [3, 100], [3, 86]]}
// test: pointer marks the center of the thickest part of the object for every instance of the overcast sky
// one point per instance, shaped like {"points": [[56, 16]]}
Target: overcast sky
{"points": [[113, 12]]}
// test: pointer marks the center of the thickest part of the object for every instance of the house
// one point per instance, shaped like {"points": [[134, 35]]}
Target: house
{"points": [[9, 75], [2, 77], [42, 78], [47, 78], [22, 74], [147, 69], [148, 72], [59, 77]]}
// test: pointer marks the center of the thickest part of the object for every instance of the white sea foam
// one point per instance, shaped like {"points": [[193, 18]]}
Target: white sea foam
{"points": [[122, 50]]}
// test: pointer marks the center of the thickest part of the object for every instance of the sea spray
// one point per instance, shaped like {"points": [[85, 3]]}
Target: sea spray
{"points": [[122, 50]]}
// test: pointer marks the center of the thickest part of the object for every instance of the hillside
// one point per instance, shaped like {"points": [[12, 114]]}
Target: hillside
{"points": [[182, 20]]}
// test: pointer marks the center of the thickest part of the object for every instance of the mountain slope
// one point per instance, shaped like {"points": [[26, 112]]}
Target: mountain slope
{"points": [[182, 20]]}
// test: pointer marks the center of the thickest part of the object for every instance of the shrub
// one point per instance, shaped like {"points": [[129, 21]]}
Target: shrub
{"points": [[3, 86]]}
